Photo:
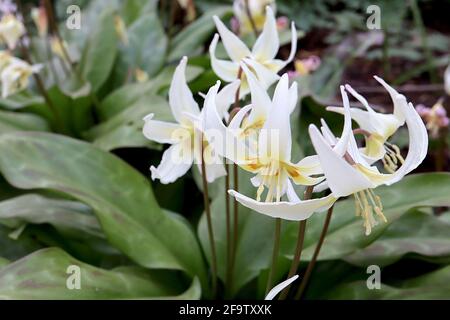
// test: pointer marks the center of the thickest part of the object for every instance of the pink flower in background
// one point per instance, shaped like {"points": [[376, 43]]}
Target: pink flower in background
{"points": [[435, 117]]}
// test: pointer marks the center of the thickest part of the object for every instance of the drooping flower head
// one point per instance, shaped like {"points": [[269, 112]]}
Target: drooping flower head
{"points": [[11, 30], [347, 170], [260, 60], [185, 136], [15, 74]]}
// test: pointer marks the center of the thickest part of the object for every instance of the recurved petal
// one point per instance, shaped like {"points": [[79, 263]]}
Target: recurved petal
{"points": [[280, 287], [236, 49], [161, 131], [277, 64], [343, 179], [393, 93], [267, 45], [265, 76], [226, 70], [180, 96], [260, 99], [226, 97], [418, 146], [175, 162], [293, 211]]}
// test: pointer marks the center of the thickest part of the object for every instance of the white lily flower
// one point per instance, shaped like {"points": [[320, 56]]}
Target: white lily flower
{"points": [[256, 10], [378, 128], [348, 173], [11, 29], [15, 74], [270, 157], [280, 287], [185, 136], [261, 59]]}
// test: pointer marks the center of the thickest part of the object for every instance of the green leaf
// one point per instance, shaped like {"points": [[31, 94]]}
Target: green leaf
{"points": [[62, 214], [121, 198], [14, 121], [193, 37], [3, 262], [147, 44], [100, 51], [131, 10], [44, 275], [416, 232], [346, 233], [129, 94], [125, 129], [434, 285]]}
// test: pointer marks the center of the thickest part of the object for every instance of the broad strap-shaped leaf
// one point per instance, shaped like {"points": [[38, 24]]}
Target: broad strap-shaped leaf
{"points": [[434, 285], [121, 198], [100, 52], [345, 234], [193, 37], [125, 128], [14, 121], [36, 209], [51, 274], [416, 232], [147, 45]]}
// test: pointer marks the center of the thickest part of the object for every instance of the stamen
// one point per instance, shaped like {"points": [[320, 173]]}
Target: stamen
{"points": [[366, 202]]}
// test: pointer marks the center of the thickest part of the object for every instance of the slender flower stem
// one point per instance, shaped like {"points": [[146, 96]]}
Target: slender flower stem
{"points": [[228, 226], [236, 188], [312, 263], [209, 223], [299, 246], [250, 18], [275, 253]]}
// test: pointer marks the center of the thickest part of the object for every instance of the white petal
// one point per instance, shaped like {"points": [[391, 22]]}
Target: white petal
{"points": [[293, 211], [343, 179], [175, 162], [236, 49], [180, 96], [341, 146], [327, 133], [236, 122], [260, 99], [280, 287], [310, 165], [293, 96], [161, 131], [418, 145], [275, 136], [267, 45], [225, 143], [393, 93], [264, 75], [447, 80], [278, 64], [226, 70], [291, 194], [226, 97]]}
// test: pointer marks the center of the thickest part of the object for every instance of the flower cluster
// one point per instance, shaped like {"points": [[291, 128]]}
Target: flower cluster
{"points": [[260, 135], [14, 72]]}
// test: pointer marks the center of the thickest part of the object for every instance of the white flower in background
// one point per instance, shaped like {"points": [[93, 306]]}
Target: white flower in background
{"points": [[11, 29], [5, 59], [15, 76], [261, 59], [280, 287], [40, 20], [256, 8], [185, 136], [270, 157], [348, 173], [447, 80], [377, 128]]}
